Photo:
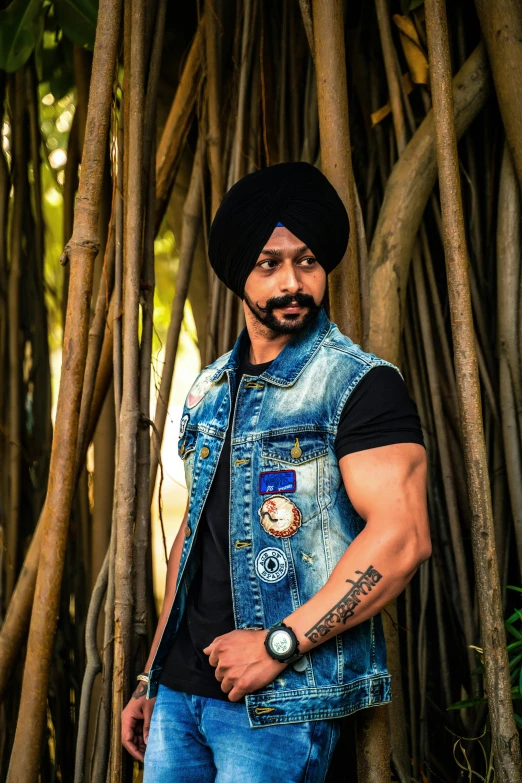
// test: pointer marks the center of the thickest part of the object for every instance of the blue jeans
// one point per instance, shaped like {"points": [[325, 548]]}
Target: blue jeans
{"points": [[202, 740]]}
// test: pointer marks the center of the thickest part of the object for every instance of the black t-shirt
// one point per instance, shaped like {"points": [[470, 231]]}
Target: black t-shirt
{"points": [[378, 412]]}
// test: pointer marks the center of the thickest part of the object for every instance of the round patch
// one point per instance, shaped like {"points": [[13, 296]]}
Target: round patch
{"points": [[280, 516], [199, 388], [271, 565]]}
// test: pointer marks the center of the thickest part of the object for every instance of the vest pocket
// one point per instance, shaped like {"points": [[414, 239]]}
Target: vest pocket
{"points": [[294, 448], [300, 458], [186, 450], [187, 444]]}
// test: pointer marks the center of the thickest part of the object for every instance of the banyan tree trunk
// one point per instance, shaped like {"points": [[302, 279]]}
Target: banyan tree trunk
{"points": [[373, 751], [505, 738], [501, 23], [336, 158], [80, 251], [129, 413], [407, 192]]}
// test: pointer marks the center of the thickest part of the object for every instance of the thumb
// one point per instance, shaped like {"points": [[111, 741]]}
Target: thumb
{"points": [[147, 715], [146, 727]]}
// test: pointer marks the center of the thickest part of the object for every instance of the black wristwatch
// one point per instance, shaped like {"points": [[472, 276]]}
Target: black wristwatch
{"points": [[281, 643]]}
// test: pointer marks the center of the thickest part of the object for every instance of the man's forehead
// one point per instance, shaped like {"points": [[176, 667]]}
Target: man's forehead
{"points": [[283, 243], [283, 250]]}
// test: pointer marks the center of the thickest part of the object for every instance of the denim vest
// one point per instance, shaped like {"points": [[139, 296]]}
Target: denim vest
{"points": [[290, 520]]}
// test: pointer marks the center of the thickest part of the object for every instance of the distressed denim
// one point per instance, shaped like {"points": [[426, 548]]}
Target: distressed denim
{"points": [[201, 740], [283, 432]]}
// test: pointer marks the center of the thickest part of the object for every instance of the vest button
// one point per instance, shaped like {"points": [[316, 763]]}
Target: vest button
{"points": [[188, 532], [205, 451], [296, 450]]}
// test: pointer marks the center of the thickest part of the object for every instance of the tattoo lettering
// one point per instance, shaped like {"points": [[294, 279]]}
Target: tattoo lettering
{"points": [[140, 691], [346, 606]]}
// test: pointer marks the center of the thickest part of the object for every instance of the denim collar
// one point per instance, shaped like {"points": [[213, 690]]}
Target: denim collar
{"points": [[285, 369]]}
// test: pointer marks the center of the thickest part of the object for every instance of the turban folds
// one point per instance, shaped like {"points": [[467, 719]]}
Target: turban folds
{"points": [[297, 195]]}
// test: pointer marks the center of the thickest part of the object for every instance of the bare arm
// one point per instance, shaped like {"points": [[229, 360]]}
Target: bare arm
{"points": [[135, 718], [387, 487]]}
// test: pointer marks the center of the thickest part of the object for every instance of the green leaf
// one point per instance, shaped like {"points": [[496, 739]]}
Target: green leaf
{"points": [[513, 587], [415, 4], [459, 705], [518, 720], [513, 630], [21, 25], [516, 693], [515, 660], [78, 18]]}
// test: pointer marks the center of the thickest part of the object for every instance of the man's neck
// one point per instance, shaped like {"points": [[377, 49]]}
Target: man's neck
{"points": [[265, 344], [265, 350]]}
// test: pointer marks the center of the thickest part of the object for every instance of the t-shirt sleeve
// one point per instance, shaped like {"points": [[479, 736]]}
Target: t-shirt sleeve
{"points": [[378, 412]]}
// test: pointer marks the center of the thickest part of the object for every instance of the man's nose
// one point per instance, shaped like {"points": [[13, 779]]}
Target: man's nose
{"points": [[290, 281]]}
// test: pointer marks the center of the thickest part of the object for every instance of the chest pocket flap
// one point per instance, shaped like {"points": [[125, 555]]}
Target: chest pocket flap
{"points": [[294, 448], [187, 443]]}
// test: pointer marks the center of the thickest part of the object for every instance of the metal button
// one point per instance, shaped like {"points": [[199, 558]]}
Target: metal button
{"points": [[205, 451], [188, 532], [296, 450], [301, 664]]}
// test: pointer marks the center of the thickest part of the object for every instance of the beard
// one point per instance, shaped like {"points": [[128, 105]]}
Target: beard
{"points": [[290, 323]]}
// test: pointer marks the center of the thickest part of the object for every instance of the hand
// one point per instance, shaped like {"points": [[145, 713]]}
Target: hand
{"points": [[135, 722], [242, 662]]}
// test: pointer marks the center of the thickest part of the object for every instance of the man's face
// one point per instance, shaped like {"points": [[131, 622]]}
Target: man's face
{"points": [[287, 286]]}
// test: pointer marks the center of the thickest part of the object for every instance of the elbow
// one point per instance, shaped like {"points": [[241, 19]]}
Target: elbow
{"points": [[425, 551], [415, 553]]}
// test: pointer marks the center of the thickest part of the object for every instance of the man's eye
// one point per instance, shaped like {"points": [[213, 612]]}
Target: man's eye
{"points": [[308, 261], [268, 263]]}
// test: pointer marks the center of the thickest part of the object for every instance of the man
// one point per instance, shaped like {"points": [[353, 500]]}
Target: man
{"points": [[306, 473]]}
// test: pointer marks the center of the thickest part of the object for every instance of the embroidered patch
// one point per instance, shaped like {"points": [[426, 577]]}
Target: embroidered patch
{"points": [[277, 481], [280, 516], [199, 388], [183, 425], [271, 565]]}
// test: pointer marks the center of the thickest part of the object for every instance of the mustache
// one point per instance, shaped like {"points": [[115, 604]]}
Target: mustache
{"points": [[304, 300]]}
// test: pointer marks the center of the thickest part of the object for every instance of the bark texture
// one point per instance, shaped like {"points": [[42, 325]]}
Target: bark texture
{"points": [[80, 252], [506, 743]]}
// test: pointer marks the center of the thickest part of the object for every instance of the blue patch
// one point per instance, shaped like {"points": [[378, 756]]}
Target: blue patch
{"points": [[276, 482]]}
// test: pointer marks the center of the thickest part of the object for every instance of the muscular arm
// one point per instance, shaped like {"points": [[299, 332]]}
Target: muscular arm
{"points": [[387, 487]]}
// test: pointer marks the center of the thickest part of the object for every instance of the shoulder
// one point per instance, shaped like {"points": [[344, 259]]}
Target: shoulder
{"points": [[204, 380], [340, 349]]}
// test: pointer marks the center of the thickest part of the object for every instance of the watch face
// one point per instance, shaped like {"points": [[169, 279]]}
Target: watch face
{"points": [[281, 642]]}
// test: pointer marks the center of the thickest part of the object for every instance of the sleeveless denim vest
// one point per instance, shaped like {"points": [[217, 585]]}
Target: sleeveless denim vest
{"points": [[291, 518]]}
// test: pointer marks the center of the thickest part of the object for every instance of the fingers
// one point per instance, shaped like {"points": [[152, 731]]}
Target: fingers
{"points": [[132, 740], [235, 694], [213, 657], [226, 685]]}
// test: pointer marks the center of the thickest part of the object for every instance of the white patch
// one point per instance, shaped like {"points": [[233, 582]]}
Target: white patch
{"points": [[199, 388], [271, 565], [183, 425], [280, 516]]}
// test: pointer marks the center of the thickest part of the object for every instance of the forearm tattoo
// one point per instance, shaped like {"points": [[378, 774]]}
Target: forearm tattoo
{"points": [[140, 691], [345, 608]]}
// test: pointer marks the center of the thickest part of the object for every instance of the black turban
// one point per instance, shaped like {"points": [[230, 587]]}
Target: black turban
{"points": [[297, 195]]}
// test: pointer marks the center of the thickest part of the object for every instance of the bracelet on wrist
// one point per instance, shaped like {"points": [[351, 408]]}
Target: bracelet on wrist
{"points": [[143, 677]]}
